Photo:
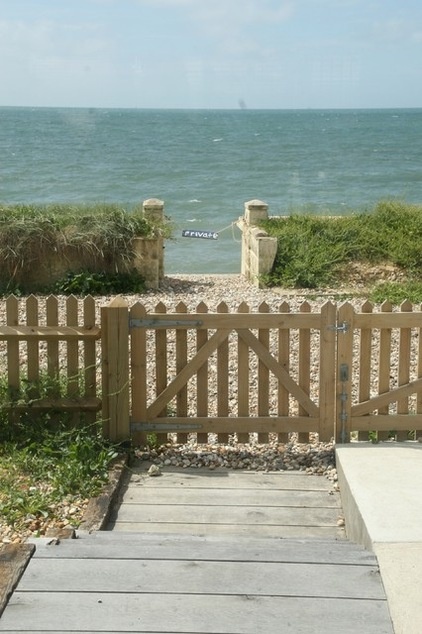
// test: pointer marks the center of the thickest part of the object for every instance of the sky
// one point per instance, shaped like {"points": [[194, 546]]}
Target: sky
{"points": [[211, 53]]}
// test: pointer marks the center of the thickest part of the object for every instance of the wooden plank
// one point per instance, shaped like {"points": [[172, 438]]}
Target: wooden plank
{"points": [[72, 352], [365, 365], [13, 560], [263, 375], [387, 319], [238, 515], [344, 425], [161, 364], [13, 354], [218, 321], [404, 368], [231, 497], [202, 376], [244, 531], [230, 478], [203, 577], [202, 614], [385, 423], [242, 379], [70, 404], [384, 367], [284, 362], [117, 369], [121, 545], [327, 373], [223, 378], [181, 362], [379, 402], [138, 371], [304, 360], [51, 333], [33, 345], [52, 320], [237, 424], [90, 355]]}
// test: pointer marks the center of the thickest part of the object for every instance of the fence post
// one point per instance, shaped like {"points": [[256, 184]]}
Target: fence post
{"points": [[345, 325], [327, 378], [115, 370]]}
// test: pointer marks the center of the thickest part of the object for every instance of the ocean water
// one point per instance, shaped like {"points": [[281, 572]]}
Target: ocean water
{"points": [[205, 164]]}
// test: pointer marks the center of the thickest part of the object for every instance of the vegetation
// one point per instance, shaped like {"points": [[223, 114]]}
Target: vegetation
{"points": [[87, 283], [397, 293], [99, 237], [315, 251], [46, 464]]}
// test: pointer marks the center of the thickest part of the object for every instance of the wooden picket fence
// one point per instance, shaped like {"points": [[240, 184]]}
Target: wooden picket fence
{"points": [[339, 372], [45, 344]]}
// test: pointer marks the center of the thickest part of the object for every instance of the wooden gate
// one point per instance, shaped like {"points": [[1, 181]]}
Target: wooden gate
{"points": [[379, 372], [221, 373], [340, 373]]}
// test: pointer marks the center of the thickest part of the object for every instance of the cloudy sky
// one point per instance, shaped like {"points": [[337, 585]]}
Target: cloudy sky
{"points": [[211, 53]]}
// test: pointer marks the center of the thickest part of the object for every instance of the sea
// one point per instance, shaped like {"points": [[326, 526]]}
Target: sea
{"points": [[205, 164]]}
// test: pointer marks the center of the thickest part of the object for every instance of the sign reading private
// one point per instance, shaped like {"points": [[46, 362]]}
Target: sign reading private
{"points": [[192, 233]]}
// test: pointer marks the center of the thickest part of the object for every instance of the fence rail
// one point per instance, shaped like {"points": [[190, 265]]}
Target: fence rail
{"points": [[49, 354], [339, 371]]}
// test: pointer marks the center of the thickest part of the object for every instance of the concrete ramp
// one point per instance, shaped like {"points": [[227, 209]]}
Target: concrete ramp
{"points": [[381, 491]]}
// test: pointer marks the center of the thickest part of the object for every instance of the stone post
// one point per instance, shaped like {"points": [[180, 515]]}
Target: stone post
{"points": [[153, 209], [255, 210], [149, 252], [258, 248]]}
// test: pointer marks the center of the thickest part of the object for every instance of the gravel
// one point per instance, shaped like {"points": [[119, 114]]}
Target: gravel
{"points": [[311, 457]]}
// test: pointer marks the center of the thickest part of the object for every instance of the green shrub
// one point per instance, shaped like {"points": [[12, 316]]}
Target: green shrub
{"points": [[313, 251], [86, 283], [397, 292]]}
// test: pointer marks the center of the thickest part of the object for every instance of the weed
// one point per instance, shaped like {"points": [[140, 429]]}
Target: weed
{"points": [[88, 283], [43, 458]]}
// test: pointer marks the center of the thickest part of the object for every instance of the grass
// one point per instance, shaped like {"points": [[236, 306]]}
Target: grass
{"points": [[43, 468], [99, 236], [47, 464], [314, 251]]}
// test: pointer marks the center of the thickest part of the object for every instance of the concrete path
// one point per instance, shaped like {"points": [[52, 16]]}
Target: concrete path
{"points": [[207, 552], [381, 490]]}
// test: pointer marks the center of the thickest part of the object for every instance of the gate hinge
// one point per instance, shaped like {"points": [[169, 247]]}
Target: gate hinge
{"points": [[343, 327]]}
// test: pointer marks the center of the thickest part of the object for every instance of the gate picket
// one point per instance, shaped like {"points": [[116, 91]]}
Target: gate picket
{"points": [[356, 372]]}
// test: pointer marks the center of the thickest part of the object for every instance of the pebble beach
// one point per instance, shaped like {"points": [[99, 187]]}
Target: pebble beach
{"points": [[312, 457]]}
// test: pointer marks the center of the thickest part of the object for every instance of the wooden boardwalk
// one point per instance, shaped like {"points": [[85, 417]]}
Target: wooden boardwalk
{"points": [[206, 552]]}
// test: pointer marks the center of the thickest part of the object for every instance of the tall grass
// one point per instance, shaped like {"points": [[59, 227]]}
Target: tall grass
{"points": [[314, 251], [98, 232]]}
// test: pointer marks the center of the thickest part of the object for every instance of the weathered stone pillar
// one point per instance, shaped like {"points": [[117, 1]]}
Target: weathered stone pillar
{"points": [[149, 252], [255, 210], [258, 248], [153, 209]]}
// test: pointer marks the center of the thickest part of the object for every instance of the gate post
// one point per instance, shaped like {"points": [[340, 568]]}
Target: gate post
{"points": [[345, 324], [115, 370], [327, 380]]}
